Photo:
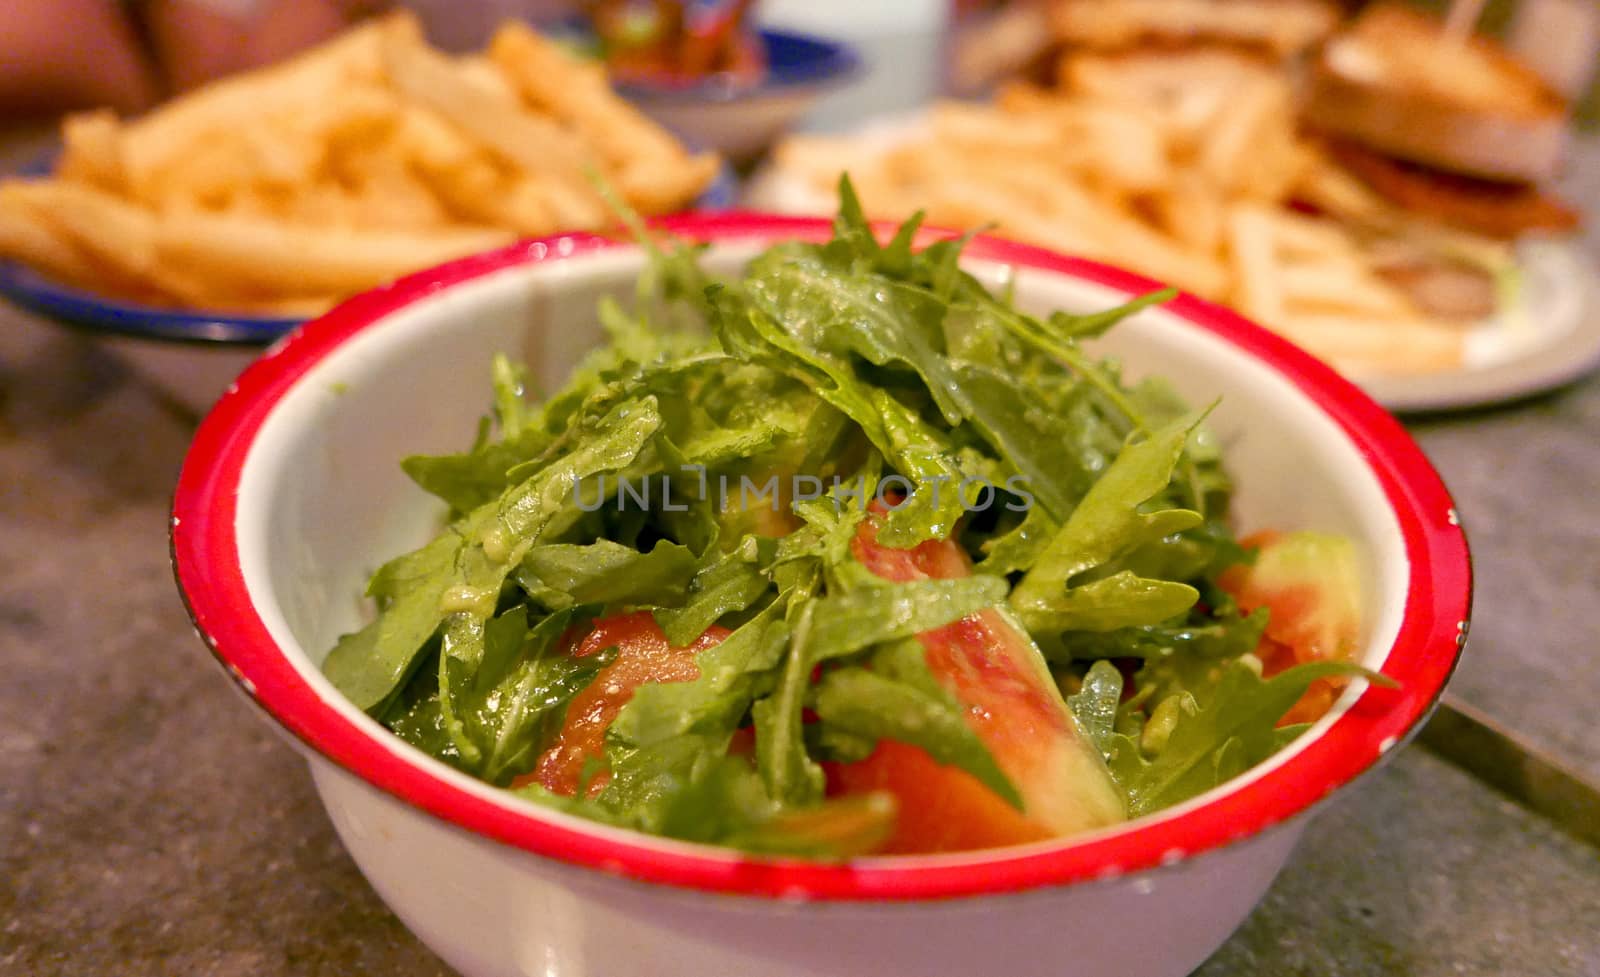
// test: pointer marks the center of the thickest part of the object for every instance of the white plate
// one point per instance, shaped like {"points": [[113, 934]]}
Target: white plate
{"points": [[1547, 337]]}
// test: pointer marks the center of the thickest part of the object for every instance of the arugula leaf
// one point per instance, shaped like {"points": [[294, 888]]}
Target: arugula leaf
{"points": [[468, 480], [873, 316], [414, 716], [838, 626], [472, 478], [732, 673], [868, 704], [368, 666], [792, 777], [923, 455], [1122, 600], [670, 735], [725, 804], [502, 533], [455, 580], [1065, 325], [914, 448], [837, 828], [868, 615], [1028, 435], [500, 716], [1200, 642], [1020, 547], [728, 583], [511, 409], [1095, 704], [1233, 731], [721, 802], [1109, 523], [561, 575]]}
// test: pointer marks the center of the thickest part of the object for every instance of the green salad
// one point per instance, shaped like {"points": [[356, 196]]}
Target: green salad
{"points": [[846, 554]]}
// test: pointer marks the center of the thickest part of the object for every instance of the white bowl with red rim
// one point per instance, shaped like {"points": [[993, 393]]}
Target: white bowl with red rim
{"points": [[292, 494]]}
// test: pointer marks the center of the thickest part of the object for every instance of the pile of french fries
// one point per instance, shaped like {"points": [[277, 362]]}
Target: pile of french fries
{"points": [[284, 190], [1186, 166]]}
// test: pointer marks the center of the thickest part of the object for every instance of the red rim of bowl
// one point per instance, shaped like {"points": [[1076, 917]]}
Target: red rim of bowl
{"points": [[207, 565]]}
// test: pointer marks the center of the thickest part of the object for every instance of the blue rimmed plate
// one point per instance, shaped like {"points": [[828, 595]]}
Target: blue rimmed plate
{"points": [[82, 309]]}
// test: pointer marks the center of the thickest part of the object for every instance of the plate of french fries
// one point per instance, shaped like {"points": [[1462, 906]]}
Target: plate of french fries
{"points": [[234, 211], [1189, 168]]}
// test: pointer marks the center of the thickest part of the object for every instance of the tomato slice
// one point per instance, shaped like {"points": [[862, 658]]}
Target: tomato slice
{"points": [[643, 656], [1011, 702], [939, 808], [1310, 585]]}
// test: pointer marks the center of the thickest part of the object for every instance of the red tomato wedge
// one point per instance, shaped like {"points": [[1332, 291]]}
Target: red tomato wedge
{"points": [[1012, 703], [643, 655], [1310, 584], [939, 808]]}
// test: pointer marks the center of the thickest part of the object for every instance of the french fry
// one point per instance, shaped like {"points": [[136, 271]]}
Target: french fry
{"points": [[358, 117], [1124, 146], [817, 161], [1254, 251], [91, 150], [1099, 230], [1123, 149], [217, 170], [652, 170], [1331, 189], [1240, 134], [118, 234], [388, 194], [291, 307], [654, 190], [472, 188], [964, 204], [215, 111], [1340, 288], [26, 236], [431, 142], [1301, 235], [577, 93], [525, 140], [1191, 211], [277, 258], [1365, 345], [1023, 130], [119, 238]]}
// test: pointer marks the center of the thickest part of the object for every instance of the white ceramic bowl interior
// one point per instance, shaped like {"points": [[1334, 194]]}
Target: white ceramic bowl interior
{"points": [[322, 501]]}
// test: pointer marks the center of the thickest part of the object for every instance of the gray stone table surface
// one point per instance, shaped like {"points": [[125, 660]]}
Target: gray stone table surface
{"points": [[150, 822], [1526, 479]]}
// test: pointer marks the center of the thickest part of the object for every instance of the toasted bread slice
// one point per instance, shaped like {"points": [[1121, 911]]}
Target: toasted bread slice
{"points": [[1396, 83], [1159, 74], [1281, 28]]}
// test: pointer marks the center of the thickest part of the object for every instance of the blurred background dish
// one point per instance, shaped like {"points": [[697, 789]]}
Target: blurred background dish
{"points": [[705, 70], [201, 232], [279, 191], [742, 119], [190, 357], [1407, 235]]}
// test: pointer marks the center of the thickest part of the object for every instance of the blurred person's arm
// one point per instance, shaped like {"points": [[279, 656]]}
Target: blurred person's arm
{"points": [[68, 54], [198, 40]]}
